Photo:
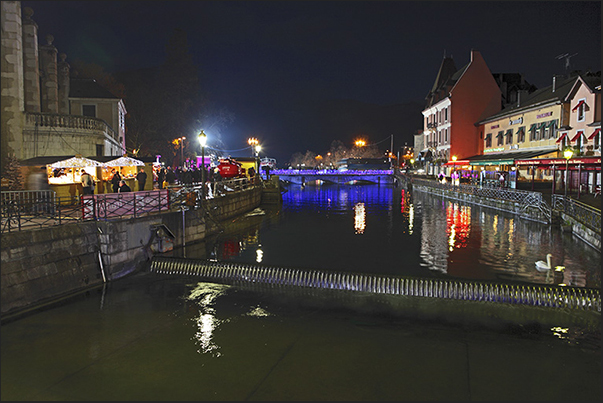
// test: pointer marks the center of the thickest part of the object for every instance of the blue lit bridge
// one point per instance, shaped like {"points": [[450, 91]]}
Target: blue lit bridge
{"points": [[334, 176]]}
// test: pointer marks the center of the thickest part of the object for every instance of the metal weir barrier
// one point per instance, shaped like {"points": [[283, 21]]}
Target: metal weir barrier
{"points": [[588, 299]]}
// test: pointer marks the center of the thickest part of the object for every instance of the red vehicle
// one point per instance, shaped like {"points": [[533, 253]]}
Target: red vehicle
{"points": [[229, 168]]}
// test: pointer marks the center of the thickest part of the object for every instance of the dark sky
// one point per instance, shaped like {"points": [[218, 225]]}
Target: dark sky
{"points": [[266, 62]]}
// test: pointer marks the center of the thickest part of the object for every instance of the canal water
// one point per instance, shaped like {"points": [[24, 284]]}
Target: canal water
{"points": [[169, 337]]}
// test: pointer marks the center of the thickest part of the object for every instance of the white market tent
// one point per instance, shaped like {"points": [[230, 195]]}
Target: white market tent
{"points": [[124, 162], [77, 162]]}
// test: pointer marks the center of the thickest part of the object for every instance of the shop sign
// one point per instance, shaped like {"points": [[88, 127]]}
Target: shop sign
{"points": [[494, 127], [517, 121], [544, 115]]}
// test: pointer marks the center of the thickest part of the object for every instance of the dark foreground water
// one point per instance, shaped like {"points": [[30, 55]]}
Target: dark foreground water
{"points": [[159, 337]]}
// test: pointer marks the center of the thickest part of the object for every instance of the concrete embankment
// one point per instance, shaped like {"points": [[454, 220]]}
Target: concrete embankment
{"points": [[42, 265]]}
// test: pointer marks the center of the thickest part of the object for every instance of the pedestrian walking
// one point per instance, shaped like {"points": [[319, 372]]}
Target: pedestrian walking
{"points": [[141, 177]]}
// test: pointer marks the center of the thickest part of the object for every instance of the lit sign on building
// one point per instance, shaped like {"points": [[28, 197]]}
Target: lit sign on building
{"points": [[517, 121], [544, 115]]}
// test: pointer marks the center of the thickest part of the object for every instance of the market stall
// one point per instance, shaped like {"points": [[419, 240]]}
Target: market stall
{"points": [[127, 167], [64, 177]]}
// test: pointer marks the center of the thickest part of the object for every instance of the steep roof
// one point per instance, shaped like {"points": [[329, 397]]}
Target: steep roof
{"points": [[447, 69], [88, 88], [550, 94]]}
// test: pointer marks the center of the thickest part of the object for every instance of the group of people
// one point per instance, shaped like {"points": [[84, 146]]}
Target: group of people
{"points": [[118, 184]]}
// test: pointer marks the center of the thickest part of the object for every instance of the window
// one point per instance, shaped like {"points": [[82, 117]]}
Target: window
{"points": [[551, 128], [446, 114], [533, 132], [579, 139], [499, 138], [581, 107], [596, 138], [509, 137], [489, 140], [521, 134], [99, 150], [89, 110]]}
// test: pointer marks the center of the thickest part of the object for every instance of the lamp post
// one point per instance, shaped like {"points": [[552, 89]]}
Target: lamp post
{"points": [[202, 142], [567, 154], [181, 141], [453, 169]]}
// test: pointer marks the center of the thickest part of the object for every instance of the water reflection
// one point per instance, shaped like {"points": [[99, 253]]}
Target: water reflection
{"points": [[359, 218], [319, 227], [205, 295]]}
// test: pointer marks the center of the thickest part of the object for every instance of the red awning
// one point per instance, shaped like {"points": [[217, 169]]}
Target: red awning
{"points": [[586, 163], [597, 131], [577, 136], [561, 137], [582, 102], [458, 163]]}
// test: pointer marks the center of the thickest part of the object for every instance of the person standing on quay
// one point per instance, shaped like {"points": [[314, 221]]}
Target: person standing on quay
{"points": [[115, 180], [141, 177], [161, 177], [87, 183]]}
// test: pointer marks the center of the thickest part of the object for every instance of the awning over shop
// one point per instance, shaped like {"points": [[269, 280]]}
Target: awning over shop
{"points": [[585, 163], [561, 137], [507, 158]]}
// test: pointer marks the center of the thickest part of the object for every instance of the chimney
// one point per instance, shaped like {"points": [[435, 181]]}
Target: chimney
{"points": [[554, 83]]}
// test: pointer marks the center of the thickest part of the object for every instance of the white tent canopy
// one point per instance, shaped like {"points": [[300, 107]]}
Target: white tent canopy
{"points": [[124, 162], [77, 162]]}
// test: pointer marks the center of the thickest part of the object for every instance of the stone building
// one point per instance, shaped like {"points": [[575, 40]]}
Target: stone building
{"points": [[45, 112]]}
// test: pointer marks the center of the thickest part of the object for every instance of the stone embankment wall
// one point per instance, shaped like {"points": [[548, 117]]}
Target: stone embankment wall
{"points": [[41, 265]]}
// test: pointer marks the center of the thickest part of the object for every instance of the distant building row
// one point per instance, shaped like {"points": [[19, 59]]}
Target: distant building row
{"points": [[480, 120]]}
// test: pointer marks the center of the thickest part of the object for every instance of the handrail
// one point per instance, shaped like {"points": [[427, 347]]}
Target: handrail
{"points": [[583, 213]]}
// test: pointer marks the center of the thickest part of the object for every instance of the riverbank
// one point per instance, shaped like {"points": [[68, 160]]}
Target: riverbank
{"points": [[43, 264]]}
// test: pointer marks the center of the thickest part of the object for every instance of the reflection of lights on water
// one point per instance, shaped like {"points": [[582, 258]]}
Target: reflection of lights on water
{"points": [[411, 218], [259, 255], [451, 238], [458, 219], [206, 325], [258, 311], [561, 332], [359, 218], [205, 294]]}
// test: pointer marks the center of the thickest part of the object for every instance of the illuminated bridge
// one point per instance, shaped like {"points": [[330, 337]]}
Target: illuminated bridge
{"points": [[334, 176]]}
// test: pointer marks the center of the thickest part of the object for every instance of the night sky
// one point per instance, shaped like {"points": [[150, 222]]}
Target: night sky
{"points": [[271, 63]]}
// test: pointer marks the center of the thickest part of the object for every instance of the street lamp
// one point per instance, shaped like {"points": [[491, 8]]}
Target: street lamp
{"points": [[567, 154], [202, 141], [253, 142], [181, 141], [453, 169]]}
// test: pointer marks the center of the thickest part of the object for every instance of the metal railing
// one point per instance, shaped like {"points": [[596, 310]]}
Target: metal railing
{"points": [[523, 197], [35, 209], [583, 213]]}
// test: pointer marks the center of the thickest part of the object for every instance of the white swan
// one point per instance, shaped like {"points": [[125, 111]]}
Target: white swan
{"points": [[542, 265]]}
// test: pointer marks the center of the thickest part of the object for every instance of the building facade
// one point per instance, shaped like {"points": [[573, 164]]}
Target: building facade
{"points": [[44, 111], [457, 100]]}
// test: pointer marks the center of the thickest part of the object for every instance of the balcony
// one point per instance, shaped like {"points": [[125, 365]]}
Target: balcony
{"points": [[48, 134]]}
